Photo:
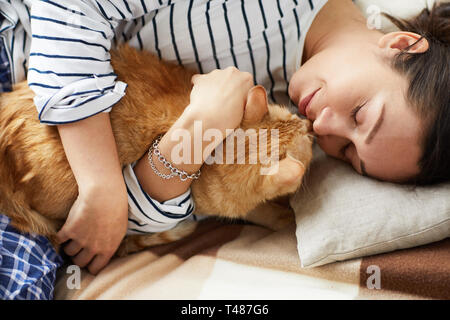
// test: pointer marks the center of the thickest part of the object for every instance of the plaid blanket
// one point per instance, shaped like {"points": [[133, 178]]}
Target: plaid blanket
{"points": [[28, 264], [241, 261]]}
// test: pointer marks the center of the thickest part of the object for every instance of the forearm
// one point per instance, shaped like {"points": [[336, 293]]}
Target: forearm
{"points": [[91, 150], [230, 87], [163, 189]]}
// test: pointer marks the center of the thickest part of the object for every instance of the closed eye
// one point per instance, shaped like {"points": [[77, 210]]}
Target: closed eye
{"points": [[354, 112]]}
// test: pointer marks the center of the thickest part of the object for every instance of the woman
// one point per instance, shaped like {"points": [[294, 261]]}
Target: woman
{"points": [[360, 94], [380, 102]]}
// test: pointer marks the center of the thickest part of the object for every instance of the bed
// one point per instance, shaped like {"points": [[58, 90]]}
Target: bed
{"points": [[239, 260]]}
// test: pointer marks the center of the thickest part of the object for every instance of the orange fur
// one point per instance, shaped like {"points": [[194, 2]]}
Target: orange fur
{"points": [[37, 187]]}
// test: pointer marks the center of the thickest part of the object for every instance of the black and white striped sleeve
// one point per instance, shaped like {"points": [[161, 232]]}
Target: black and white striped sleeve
{"points": [[69, 63], [147, 215]]}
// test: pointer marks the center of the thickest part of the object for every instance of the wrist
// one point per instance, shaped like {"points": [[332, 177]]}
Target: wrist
{"points": [[179, 153], [193, 137], [110, 184], [170, 146], [177, 145]]}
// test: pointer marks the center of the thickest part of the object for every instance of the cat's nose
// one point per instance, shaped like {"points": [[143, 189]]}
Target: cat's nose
{"points": [[310, 132], [301, 148], [308, 125]]}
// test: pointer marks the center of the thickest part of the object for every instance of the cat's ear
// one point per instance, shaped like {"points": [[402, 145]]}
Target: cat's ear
{"points": [[284, 177], [257, 105]]}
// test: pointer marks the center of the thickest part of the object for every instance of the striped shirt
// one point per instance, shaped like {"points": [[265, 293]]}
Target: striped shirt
{"points": [[146, 215], [62, 48]]}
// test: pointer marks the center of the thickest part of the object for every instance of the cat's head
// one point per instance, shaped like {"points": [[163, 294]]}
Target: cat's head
{"points": [[293, 133], [277, 153]]}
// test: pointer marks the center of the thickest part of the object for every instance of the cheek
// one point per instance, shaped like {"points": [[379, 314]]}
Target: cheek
{"points": [[342, 94], [348, 88], [292, 89], [297, 82], [305, 79], [331, 145]]}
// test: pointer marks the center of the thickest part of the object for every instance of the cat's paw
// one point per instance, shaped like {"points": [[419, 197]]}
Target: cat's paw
{"points": [[283, 178], [271, 215]]}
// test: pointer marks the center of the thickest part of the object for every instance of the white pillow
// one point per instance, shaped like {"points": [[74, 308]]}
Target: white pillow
{"points": [[341, 215]]}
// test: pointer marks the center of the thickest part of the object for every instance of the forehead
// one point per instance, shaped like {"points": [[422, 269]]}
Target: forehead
{"points": [[394, 152]]}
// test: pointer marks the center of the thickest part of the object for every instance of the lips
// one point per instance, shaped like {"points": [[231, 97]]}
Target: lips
{"points": [[304, 104]]}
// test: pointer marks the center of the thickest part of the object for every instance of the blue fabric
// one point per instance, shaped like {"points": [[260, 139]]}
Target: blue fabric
{"points": [[28, 264], [5, 68]]}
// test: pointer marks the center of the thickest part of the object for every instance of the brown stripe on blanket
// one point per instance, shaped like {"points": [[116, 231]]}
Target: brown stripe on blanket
{"points": [[196, 256], [423, 272], [149, 274], [207, 237]]}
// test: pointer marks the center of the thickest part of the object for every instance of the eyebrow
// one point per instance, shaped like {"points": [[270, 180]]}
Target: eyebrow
{"points": [[370, 136], [376, 126]]}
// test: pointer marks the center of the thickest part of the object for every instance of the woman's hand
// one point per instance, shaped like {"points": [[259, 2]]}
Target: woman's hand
{"points": [[98, 219], [218, 98], [96, 225]]}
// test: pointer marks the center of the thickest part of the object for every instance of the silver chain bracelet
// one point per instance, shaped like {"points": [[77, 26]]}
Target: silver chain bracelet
{"points": [[173, 171]]}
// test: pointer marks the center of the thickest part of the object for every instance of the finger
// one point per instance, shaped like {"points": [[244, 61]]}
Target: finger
{"points": [[195, 78], [98, 263], [72, 248], [62, 236], [248, 83], [83, 258]]}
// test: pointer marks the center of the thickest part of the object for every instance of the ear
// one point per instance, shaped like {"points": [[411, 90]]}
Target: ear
{"points": [[394, 42], [256, 106], [285, 177]]}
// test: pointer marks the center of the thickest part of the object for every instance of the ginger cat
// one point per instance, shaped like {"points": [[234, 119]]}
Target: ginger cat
{"points": [[37, 187]]}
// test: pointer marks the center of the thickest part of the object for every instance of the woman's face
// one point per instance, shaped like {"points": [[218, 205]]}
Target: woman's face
{"points": [[359, 111]]}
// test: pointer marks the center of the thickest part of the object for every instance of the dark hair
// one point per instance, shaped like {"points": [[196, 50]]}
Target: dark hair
{"points": [[428, 74]]}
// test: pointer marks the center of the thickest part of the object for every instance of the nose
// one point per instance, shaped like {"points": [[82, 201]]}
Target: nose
{"points": [[323, 124], [331, 122]]}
